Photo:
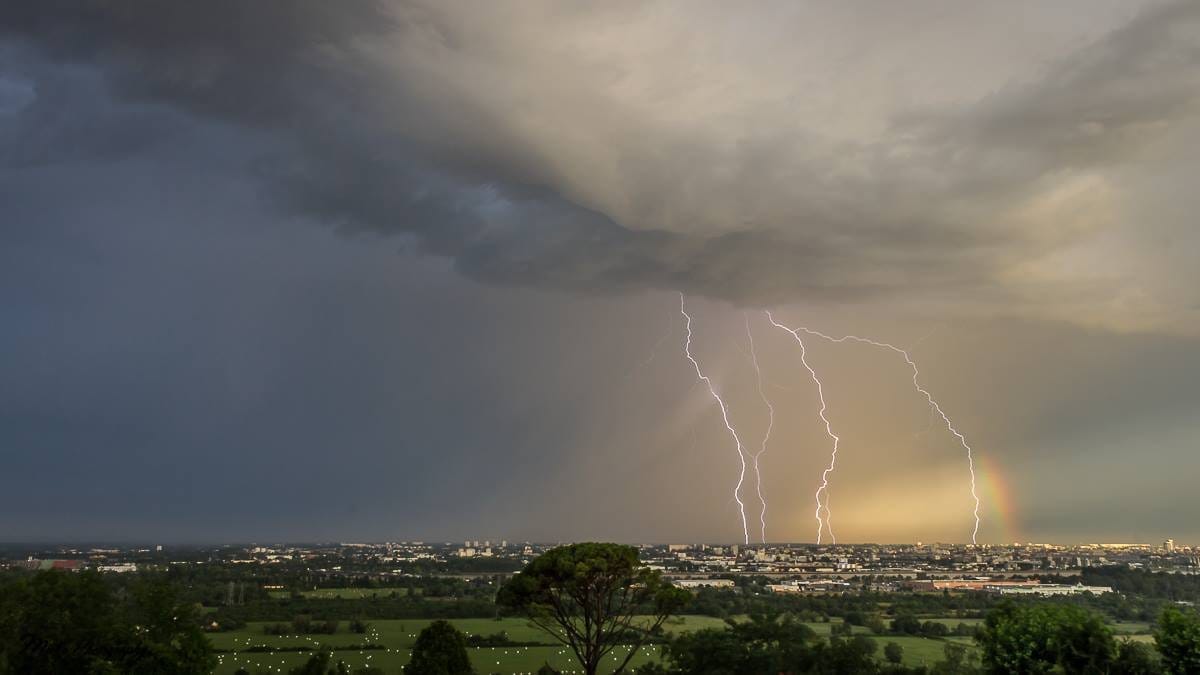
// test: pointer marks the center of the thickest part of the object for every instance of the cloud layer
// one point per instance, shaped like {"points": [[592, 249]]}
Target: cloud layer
{"points": [[794, 155]]}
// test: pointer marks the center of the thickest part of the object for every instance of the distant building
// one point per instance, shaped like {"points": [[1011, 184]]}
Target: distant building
{"points": [[1169, 545], [65, 565], [1050, 589], [701, 583], [1002, 587], [822, 586]]}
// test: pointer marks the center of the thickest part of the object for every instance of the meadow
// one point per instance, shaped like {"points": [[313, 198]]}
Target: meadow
{"points": [[398, 636], [342, 593]]}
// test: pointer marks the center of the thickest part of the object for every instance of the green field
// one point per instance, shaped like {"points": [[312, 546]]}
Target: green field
{"points": [[1131, 628], [345, 593], [485, 660], [398, 637], [919, 651], [953, 621]]}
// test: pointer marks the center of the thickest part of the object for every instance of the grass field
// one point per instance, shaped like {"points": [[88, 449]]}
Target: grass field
{"points": [[398, 636], [1131, 628], [346, 593], [485, 660], [953, 621], [919, 651]]}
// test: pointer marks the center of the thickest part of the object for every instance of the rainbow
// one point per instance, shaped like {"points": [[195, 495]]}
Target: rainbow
{"points": [[1001, 506]]}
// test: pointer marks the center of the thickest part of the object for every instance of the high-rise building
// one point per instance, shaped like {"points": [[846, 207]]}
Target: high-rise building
{"points": [[1169, 545]]}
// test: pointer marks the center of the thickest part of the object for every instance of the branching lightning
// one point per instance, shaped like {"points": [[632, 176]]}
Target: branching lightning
{"points": [[687, 349], [822, 524], [762, 516], [916, 384]]}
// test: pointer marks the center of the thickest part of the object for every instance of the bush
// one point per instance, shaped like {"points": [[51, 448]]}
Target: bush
{"points": [[893, 652], [934, 629], [906, 624]]}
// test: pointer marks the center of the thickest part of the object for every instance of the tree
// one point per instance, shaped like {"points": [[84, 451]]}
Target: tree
{"points": [[64, 623], [1038, 639], [1178, 639], [58, 622], [847, 655], [1136, 658], [709, 651], [166, 632], [934, 629], [588, 595], [906, 624], [841, 629], [440, 650], [955, 661], [855, 618], [893, 652]]}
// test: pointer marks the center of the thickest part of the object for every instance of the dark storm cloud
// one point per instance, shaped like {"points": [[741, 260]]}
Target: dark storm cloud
{"points": [[428, 121], [181, 357]]}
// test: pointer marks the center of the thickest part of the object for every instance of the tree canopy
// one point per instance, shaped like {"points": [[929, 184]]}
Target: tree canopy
{"points": [[588, 597], [63, 622], [440, 650], [1043, 638], [1178, 640]]}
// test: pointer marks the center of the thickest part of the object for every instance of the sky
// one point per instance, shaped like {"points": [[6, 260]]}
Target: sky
{"points": [[300, 270]]}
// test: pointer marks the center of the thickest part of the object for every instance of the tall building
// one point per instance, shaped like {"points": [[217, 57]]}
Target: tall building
{"points": [[1169, 545]]}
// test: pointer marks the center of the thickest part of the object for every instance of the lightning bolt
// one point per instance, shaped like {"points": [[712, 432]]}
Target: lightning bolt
{"points": [[917, 385], [687, 350], [762, 516], [822, 524]]}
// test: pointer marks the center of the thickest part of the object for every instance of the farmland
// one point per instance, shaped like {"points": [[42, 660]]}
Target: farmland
{"points": [[396, 638], [391, 640]]}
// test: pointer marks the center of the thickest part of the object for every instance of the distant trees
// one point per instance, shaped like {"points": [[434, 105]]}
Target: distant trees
{"points": [[855, 617], [440, 650], [303, 624], [767, 643], [321, 663], [906, 624], [893, 652], [588, 595], [763, 644]]}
